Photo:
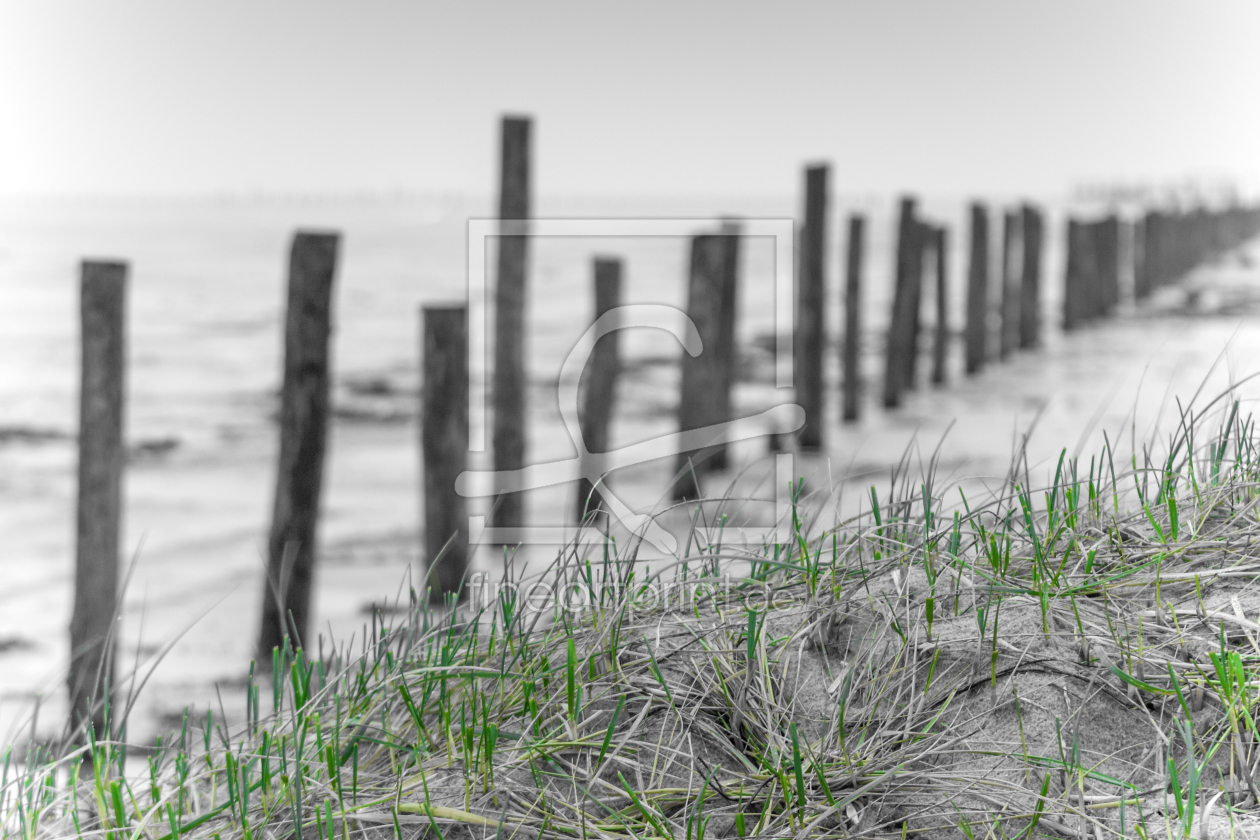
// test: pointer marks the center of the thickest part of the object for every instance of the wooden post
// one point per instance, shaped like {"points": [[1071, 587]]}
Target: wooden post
{"points": [[1128, 261], [940, 348], [917, 252], [727, 351], [1170, 247], [1074, 275], [93, 642], [1086, 276], [1170, 256], [1091, 278], [1196, 235], [811, 333], [1030, 278], [852, 347], [1094, 270], [978, 289], [1141, 258], [509, 329], [1008, 332], [899, 364], [704, 378], [1107, 236], [599, 382], [1137, 256], [303, 438], [1166, 248], [1155, 250], [444, 446]]}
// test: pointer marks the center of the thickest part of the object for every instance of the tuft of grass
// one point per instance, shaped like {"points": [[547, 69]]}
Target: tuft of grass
{"points": [[1077, 659]]}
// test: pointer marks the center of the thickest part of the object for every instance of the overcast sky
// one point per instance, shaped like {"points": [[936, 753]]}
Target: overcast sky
{"points": [[946, 96]]}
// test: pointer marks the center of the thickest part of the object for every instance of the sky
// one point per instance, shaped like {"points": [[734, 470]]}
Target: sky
{"points": [[942, 96]]}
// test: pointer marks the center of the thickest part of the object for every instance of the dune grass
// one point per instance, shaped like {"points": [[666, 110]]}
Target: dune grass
{"points": [[1069, 658]]}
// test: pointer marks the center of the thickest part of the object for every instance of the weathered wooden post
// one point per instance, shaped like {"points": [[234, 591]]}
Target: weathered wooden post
{"points": [[1198, 240], [978, 289], [1097, 281], [727, 351], [1157, 247], [922, 235], [1171, 243], [852, 346], [705, 388], [1030, 278], [102, 309], [1107, 254], [899, 364], [509, 428], [1155, 250], [1175, 256], [1087, 276], [1138, 252], [1074, 275], [303, 438], [940, 347], [599, 384], [444, 446], [1127, 258], [811, 333], [1008, 331]]}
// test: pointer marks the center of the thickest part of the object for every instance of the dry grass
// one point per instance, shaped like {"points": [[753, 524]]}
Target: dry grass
{"points": [[1078, 660]]}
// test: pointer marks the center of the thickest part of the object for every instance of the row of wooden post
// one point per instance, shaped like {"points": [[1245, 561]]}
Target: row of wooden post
{"points": [[923, 247], [1091, 287], [303, 419], [1157, 250], [1169, 244]]}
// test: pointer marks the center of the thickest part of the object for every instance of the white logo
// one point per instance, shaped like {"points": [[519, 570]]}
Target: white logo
{"points": [[593, 465]]}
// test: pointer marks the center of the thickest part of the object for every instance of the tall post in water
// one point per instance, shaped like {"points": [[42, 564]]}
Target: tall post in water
{"points": [[899, 362], [1154, 251], [1074, 275], [1107, 237], [917, 253], [93, 642], [727, 351], [1088, 281], [1093, 279], [1169, 242], [1143, 283], [705, 399], [444, 446], [1128, 259], [1008, 335], [598, 387], [852, 344], [977, 288], [811, 333], [1030, 278], [509, 314], [303, 437], [1170, 246], [940, 347]]}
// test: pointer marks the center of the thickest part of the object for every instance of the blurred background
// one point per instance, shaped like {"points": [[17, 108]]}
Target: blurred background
{"points": [[191, 140]]}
